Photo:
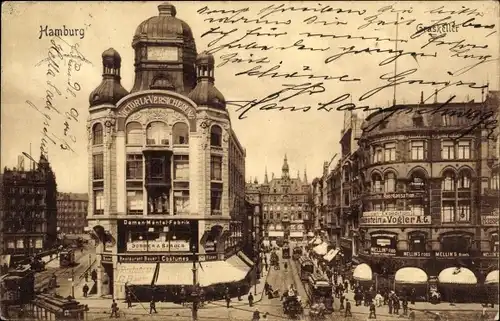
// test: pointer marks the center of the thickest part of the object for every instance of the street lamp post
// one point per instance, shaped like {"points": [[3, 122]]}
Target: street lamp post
{"points": [[194, 294]]}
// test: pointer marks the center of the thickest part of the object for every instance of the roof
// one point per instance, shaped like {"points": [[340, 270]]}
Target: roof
{"points": [[73, 196]]}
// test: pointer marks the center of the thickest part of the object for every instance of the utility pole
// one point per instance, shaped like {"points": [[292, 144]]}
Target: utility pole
{"points": [[194, 294], [73, 282]]}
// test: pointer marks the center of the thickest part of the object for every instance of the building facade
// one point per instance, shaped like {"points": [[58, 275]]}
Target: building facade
{"points": [[29, 209], [286, 205], [72, 213], [427, 195], [167, 171]]}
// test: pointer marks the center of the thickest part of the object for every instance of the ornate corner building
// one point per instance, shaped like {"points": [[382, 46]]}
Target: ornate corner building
{"points": [[420, 189], [167, 171]]}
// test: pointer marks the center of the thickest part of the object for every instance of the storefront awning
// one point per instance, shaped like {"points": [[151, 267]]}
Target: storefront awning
{"points": [[321, 249], [362, 272], [233, 269], [297, 234], [310, 234], [245, 259], [135, 273], [492, 277], [457, 276], [276, 233], [411, 275], [331, 255]]}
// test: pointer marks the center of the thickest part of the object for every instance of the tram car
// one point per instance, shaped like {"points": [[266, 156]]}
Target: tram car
{"points": [[319, 288], [285, 251], [18, 286], [306, 268], [297, 253], [67, 258], [275, 262]]}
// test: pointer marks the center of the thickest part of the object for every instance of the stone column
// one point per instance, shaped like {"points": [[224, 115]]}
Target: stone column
{"points": [[99, 279]]}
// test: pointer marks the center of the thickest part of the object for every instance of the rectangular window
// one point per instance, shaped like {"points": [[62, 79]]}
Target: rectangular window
{"points": [[377, 155], [11, 244], [390, 152], [181, 202], [447, 149], [463, 150], [181, 167], [417, 150], [417, 209], [377, 206], [38, 243], [134, 166], [20, 244], [463, 211], [98, 166], [216, 198], [448, 212], [390, 206], [135, 202], [216, 168], [98, 202]]}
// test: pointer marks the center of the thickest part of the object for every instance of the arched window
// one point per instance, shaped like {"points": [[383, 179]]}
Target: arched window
{"points": [[134, 133], [157, 133], [464, 179], [495, 182], [416, 242], [390, 182], [448, 182], [376, 183], [216, 136], [347, 173], [180, 134], [97, 134]]}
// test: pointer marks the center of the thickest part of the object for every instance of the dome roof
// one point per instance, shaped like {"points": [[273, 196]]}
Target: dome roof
{"points": [[205, 93], [164, 26], [205, 59], [111, 58]]}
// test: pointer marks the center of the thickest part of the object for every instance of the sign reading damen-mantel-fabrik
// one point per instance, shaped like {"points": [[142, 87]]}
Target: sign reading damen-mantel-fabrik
{"points": [[158, 99], [150, 222]]}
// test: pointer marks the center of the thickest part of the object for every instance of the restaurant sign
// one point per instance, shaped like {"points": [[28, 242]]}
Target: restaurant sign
{"points": [[396, 220], [165, 258], [167, 246], [490, 220]]}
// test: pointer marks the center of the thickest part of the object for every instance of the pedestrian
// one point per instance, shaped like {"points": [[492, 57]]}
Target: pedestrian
{"points": [[405, 306], [390, 304], [266, 266], [347, 309], [238, 290], [228, 300], [152, 306], [250, 299], [114, 309], [372, 315], [94, 275], [266, 287], [285, 265], [85, 290], [379, 299], [397, 305], [483, 314], [182, 295], [128, 299], [413, 296], [86, 276], [346, 286], [256, 315], [342, 298]]}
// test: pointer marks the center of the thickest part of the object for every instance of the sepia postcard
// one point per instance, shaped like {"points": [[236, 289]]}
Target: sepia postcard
{"points": [[250, 160]]}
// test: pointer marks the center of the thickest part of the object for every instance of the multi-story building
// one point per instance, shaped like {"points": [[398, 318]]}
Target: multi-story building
{"points": [[29, 209], [286, 205], [72, 212], [167, 171], [428, 192]]}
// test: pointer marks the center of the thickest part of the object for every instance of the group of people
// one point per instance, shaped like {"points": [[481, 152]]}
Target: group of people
{"points": [[86, 288]]}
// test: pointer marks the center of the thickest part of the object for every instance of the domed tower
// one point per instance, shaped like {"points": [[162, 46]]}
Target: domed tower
{"points": [[205, 93], [285, 170], [110, 91], [165, 53]]}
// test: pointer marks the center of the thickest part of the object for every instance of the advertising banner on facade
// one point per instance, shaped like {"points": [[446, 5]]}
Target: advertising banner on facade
{"points": [[382, 251], [490, 220], [395, 220], [160, 246]]}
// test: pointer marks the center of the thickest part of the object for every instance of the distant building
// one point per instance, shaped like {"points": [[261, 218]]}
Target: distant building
{"points": [[72, 212], [29, 209], [286, 204]]}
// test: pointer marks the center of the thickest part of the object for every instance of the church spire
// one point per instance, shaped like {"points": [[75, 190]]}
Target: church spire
{"points": [[266, 181], [305, 176], [285, 169]]}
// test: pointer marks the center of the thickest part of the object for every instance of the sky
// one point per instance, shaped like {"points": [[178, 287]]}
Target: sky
{"points": [[346, 46]]}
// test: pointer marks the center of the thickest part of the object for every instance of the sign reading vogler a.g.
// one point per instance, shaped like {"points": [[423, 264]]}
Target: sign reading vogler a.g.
{"points": [[157, 99]]}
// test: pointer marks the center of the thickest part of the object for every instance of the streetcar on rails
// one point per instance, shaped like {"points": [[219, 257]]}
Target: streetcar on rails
{"points": [[319, 288], [67, 258], [297, 253], [285, 252], [306, 268]]}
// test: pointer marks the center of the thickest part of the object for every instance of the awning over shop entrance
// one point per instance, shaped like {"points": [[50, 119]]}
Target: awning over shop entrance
{"points": [[297, 234], [492, 277], [362, 272], [276, 233], [457, 276], [233, 269], [411, 275], [321, 249], [135, 273], [310, 234], [331, 255]]}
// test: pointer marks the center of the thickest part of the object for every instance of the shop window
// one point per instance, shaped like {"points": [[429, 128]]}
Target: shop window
{"points": [[376, 183], [448, 149], [157, 133], [134, 133], [98, 166], [417, 150], [134, 166], [448, 182], [494, 243], [181, 167], [181, 202], [98, 202], [135, 202], [495, 181], [463, 149], [180, 133], [390, 182], [97, 134], [216, 136], [390, 152], [216, 168], [416, 242]]}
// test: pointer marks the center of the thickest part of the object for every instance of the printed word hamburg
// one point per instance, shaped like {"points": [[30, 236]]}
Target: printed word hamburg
{"points": [[61, 32]]}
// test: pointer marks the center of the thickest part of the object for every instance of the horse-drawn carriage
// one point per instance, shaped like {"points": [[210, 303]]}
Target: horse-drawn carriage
{"points": [[292, 307], [297, 253], [275, 262]]}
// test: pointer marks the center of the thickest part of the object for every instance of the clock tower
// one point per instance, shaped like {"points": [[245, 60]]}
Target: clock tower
{"points": [[165, 53]]}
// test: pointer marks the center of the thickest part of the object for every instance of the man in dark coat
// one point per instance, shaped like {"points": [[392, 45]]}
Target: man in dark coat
{"points": [[347, 309]]}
